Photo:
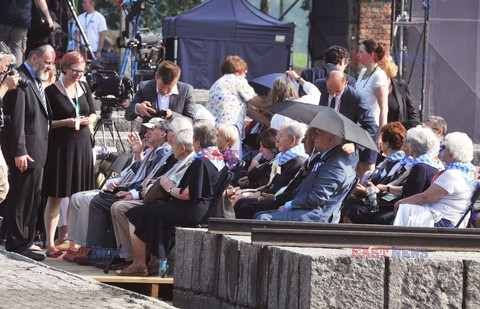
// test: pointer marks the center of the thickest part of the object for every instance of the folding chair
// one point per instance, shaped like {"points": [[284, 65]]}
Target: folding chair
{"points": [[122, 160], [474, 198]]}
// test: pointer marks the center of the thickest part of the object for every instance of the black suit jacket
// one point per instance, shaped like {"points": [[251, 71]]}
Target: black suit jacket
{"points": [[28, 129], [180, 104], [352, 105], [288, 172], [406, 108]]}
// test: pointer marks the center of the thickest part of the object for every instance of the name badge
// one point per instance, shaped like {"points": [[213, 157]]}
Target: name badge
{"points": [[279, 170]]}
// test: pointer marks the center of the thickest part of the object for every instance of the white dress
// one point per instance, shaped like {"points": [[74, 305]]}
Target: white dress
{"points": [[367, 87], [312, 97]]}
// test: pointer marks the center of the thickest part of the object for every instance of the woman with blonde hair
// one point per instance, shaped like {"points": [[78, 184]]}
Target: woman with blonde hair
{"points": [[400, 103], [283, 89]]}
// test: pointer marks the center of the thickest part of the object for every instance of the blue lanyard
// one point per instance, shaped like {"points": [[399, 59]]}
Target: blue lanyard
{"points": [[76, 107]]}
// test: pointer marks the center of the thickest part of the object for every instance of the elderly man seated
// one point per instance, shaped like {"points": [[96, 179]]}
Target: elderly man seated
{"points": [[181, 140], [131, 179], [320, 195], [285, 166]]}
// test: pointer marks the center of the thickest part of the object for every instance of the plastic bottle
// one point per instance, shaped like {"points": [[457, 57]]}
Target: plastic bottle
{"points": [[162, 268], [372, 198]]}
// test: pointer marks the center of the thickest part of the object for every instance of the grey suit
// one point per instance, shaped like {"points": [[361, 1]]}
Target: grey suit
{"points": [[320, 195], [180, 104]]}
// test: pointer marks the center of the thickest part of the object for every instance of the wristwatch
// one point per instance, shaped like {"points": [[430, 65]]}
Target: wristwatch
{"points": [[170, 190], [388, 189]]}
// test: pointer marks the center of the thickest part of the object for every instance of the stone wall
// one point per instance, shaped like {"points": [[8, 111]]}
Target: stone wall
{"points": [[219, 271]]}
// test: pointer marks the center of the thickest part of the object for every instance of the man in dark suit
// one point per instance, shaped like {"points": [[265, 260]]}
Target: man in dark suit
{"points": [[336, 58], [319, 197], [165, 94], [348, 101], [25, 145]]}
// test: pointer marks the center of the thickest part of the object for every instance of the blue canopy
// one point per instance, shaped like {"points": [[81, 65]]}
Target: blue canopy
{"points": [[217, 28]]}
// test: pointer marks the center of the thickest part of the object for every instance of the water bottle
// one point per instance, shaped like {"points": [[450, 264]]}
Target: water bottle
{"points": [[372, 198], [162, 268]]}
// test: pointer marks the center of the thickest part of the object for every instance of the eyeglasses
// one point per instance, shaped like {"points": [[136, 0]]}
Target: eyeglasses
{"points": [[80, 72]]}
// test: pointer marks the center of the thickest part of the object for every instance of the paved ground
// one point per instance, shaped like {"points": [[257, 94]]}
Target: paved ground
{"points": [[25, 283]]}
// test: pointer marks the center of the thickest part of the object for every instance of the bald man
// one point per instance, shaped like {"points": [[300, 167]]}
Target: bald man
{"points": [[337, 94]]}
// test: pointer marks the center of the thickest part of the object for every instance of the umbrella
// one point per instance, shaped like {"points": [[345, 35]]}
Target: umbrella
{"points": [[301, 112], [331, 121], [263, 84], [324, 118]]}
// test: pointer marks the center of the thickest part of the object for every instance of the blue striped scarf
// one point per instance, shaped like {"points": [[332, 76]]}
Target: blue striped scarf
{"points": [[297, 151], [428, 158], [397, 156], [469, 171]]}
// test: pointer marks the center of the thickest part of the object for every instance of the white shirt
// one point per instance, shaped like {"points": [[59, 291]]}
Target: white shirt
{"points": [[337, 101], [163, 101], [367, 87], [454, 204], [93, 24], [312, 96]]}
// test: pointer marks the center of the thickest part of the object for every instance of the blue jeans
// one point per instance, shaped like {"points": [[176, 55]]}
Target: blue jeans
{"points": [[304, 215], [444, 223]]}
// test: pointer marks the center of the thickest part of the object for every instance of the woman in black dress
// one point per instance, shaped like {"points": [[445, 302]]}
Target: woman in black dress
{"points": [[69, 167], [152, 225]]}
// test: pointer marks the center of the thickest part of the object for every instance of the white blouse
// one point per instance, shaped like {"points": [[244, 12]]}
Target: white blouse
{"points": [[367, 87]]}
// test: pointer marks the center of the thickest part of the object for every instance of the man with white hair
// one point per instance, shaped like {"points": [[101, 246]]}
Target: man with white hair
{"points": [[285, 165], [320, 195]]}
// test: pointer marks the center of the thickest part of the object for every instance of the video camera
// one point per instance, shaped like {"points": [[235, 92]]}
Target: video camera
{"points": [[148, 45], [105, 82]]}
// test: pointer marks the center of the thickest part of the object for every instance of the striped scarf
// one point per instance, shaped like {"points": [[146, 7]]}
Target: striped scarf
{"points": [[297, 151], [469, 171], [428, 158], [397, 156], [213, 155]]}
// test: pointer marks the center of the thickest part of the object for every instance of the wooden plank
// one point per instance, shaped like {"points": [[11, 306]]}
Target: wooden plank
{"points": [[125, 279]]}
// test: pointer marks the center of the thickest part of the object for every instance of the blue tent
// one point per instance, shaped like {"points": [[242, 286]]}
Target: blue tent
{"points": [[217, 28]]}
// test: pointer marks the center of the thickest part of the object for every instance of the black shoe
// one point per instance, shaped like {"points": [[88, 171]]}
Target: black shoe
{"points": [[102, 263], [32, 255], [85, 261]]}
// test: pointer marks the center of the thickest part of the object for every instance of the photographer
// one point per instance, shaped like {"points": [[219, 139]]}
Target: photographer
{"points": [[163, 97], [8, 82]]}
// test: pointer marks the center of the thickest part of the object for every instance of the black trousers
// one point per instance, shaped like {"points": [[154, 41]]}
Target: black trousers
{"points": [[21, 207], [246, 208], [100, 228]]}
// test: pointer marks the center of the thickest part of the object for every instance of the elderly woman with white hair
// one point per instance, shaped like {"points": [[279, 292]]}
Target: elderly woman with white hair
{"points": [[421, 164], [449, 195]]}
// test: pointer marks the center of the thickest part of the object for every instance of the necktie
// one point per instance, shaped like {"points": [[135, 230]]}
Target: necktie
{"points": [[42, 92], [332, 103]]}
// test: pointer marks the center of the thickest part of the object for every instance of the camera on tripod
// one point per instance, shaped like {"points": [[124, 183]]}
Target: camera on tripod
{"points": [[148, 45]]}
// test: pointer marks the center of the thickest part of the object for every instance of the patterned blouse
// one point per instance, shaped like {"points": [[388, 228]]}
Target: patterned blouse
{"points": [[227, 100]]}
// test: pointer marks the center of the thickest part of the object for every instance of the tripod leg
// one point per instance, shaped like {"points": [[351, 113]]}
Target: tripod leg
{"points": [[118, 134]]}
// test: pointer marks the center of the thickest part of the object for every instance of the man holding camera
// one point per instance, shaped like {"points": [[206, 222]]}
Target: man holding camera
{"points": [[25, 143], [164, 97], [8, 82]]}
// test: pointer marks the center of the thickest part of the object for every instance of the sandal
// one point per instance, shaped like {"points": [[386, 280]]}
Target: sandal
{"points": [[133, 272], [54, 253]]}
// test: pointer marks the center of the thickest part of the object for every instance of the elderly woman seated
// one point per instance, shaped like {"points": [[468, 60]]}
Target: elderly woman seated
{"points": [[152, 225], [422, 146], [447, 199], [392, 136]]}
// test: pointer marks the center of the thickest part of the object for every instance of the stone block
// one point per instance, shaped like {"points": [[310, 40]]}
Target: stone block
{"points": [[339, 281], [471, 284], [210, 257], [228, 269], [248, 275], [196, 265], [263, 263], [184, 240], [430, 283]]}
